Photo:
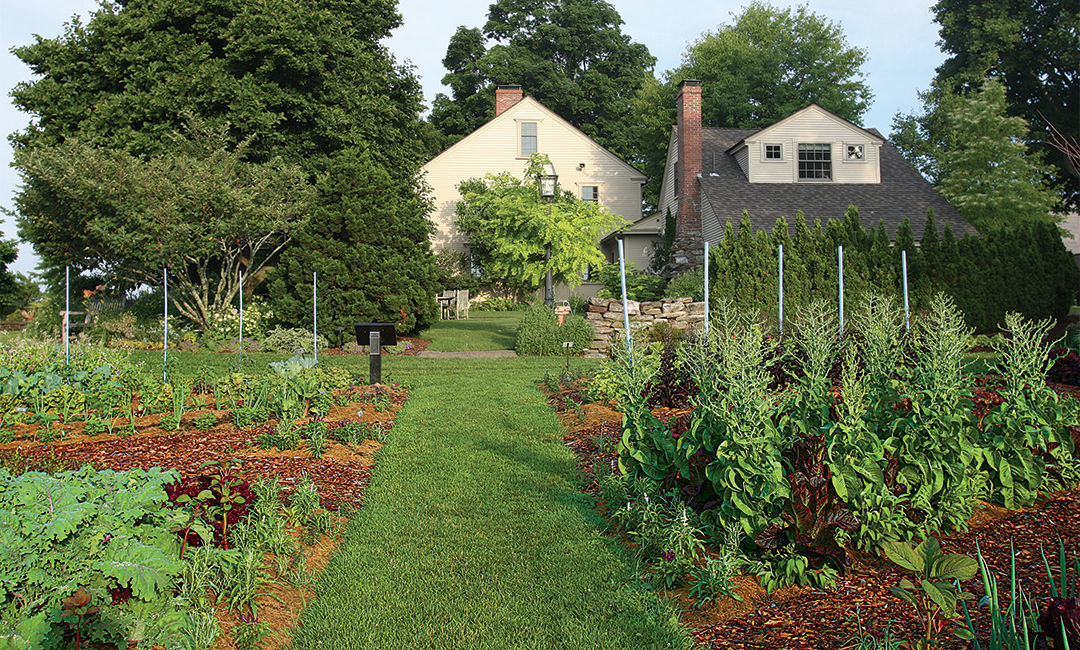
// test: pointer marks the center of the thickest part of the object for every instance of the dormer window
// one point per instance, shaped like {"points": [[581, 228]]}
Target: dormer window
{"points": [[855, 153], [774, 152], [815, 162]]}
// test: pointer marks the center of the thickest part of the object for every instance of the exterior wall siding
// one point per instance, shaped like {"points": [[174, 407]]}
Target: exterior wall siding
{"points": [[667, 185], [711, 228], [494, 148], [811, 127]]}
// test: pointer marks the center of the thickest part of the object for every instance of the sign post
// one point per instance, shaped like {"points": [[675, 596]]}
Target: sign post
{"points": [[375, 335]]}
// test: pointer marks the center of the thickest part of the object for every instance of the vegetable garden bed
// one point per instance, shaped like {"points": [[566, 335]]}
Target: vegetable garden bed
{"points": [[251, 477], [858, 606], [862, 491]]}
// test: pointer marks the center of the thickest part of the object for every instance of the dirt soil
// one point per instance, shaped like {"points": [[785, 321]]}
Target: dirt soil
{"points": [[859, 603], [341, 476]]}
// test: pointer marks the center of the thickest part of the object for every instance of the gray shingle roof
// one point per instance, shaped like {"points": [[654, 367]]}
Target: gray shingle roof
{"points": [[902, 192]]}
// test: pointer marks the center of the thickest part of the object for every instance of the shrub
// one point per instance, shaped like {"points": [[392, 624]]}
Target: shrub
{"points": [[539, 332], [640, 285], [496, 304], [290, 341], [690, 284]]}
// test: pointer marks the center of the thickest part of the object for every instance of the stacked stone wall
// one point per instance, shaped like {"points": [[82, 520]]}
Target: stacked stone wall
{"points": [[606, 317]]}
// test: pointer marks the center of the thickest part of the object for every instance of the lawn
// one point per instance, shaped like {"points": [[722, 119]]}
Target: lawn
{"points": [[481, 331], [475, 531]]}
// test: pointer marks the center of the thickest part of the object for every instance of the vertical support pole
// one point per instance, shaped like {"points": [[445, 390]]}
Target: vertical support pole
{"points": [[625, 306], [903, 264], [165, 336], [840, 261], [706, 288], [315, 315], [240, 337], [67, 316], [375, 357], [780, 273]]}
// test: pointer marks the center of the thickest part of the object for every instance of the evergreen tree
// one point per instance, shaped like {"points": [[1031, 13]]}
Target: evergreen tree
{"points": [[368, 239]]}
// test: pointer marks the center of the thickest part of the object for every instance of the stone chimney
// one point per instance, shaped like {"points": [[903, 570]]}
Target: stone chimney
{"points": [[505, 97], [687, 249]]}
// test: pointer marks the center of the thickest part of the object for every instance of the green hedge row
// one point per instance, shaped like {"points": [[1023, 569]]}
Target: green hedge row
{"points": [[1025, 269]]}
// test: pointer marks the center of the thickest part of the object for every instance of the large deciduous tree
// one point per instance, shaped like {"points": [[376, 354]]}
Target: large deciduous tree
{"points": [[763, 66], [1033, 49], [571, 55], [295, 81], [200, 211], [368, 239], [510, 228], [302, 80], [986, 171]]}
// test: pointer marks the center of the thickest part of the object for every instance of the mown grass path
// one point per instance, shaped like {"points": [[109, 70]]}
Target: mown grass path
{"points": [[474, 533]]}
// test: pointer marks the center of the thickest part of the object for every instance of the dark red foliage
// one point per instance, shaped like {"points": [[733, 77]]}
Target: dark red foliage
{"points": [[1065, 368], [120, 595], [192, 486], [1062, 614], [815, 512], [673, 388]]}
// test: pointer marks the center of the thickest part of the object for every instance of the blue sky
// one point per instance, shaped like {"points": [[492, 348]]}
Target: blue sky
{"points": [[900, 37]]}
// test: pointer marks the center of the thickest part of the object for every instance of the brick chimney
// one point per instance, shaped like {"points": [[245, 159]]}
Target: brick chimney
{"points": [[688, 239], [505, 97]]}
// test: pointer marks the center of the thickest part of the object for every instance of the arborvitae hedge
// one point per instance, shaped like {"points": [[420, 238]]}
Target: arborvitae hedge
{"points": [[1025, 268]]}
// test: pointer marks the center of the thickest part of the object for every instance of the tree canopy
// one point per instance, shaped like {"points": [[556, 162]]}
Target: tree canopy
{"points": [[201, 211], [301, 80], [509, 227], [368, 238], [1033, 49], [763, 66], [986, 172], [571, 55]]}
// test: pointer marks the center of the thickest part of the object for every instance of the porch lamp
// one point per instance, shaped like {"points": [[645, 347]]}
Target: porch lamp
{"points": [[549, 183]]}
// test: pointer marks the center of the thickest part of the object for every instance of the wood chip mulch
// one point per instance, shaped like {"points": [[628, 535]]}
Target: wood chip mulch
{"points": [[859, 603], [341, 475]]}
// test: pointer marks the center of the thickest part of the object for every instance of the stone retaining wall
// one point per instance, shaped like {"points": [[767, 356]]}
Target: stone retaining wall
{"points": [[606, 317]]}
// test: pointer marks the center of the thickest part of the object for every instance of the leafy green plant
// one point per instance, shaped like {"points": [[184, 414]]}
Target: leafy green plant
{"points": [[354, 433], [243, 580], [250, 631], [937, 593], [78, 607], [225, 483], [285, 435], [248, 416], [205, 421], [104, 530]]}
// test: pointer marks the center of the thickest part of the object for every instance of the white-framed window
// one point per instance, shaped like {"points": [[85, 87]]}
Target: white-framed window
{"points": [[815, 162], [774, 152], [855, 153], [529, 144], [590, 193]]}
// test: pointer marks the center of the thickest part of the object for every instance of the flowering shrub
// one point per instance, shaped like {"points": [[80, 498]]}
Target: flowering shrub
{"points": [[225, 325]]}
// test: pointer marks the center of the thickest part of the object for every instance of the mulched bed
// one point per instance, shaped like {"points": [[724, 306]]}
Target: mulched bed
{"points": [[341, 475], [859, 603]]}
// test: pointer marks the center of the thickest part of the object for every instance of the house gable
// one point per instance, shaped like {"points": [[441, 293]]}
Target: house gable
{"points": [[841, 151], [583, 166]]}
